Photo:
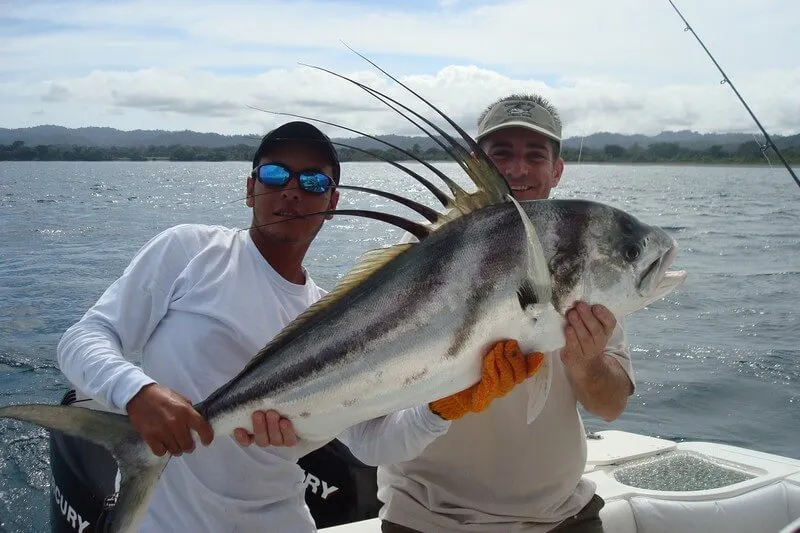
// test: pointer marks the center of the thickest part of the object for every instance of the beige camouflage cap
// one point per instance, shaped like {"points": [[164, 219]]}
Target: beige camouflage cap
{"points": [[523, 114]]}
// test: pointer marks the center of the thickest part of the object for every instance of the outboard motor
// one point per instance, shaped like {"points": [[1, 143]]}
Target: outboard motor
{"points": [[82, 474], [339, 488]]}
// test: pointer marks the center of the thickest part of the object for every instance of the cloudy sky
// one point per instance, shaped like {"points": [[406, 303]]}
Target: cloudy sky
{"points": [[624, 66]]}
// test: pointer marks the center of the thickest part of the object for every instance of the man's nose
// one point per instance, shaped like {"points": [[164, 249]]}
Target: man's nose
{"points": [[517, 168], [292, 188]]}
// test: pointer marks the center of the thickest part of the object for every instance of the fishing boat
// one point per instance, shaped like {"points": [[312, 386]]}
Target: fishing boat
{"points": [[655, 485], [649, 484]]}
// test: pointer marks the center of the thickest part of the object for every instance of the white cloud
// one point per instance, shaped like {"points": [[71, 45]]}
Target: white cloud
{"points": [[621, 65]]}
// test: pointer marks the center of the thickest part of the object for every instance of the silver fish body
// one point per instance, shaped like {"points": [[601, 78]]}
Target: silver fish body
{"points": [[415, 330]]}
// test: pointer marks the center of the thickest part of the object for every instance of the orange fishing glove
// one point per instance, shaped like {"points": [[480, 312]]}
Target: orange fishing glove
{"points": [[504, 366]]}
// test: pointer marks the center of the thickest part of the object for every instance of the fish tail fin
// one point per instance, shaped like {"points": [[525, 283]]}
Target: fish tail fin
{"points": [[139, 467]]}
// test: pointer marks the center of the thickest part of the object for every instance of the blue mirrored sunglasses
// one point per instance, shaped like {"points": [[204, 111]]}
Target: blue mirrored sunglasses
{"points": [[278, 175]]}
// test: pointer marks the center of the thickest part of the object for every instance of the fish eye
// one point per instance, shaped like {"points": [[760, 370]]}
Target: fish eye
{"points": [[632, 252]]}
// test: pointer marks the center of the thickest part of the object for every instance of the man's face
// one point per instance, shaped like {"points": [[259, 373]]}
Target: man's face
{"points": [[273, 207], [526, 159]]}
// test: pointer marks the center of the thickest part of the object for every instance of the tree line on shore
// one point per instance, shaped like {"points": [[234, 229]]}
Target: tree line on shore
{"points": [[662, 152]]}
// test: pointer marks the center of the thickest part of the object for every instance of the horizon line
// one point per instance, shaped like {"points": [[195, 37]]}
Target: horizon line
{"points": [[259, 135]]}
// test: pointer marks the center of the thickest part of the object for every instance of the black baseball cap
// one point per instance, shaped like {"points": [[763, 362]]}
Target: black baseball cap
{"points": [[302, 132]]}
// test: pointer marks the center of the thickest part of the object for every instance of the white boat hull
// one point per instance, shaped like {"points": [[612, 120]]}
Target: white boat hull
{"points": [[768, 501]]}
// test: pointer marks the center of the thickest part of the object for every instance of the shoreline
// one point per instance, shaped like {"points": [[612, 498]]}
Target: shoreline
{"points": [[777, 165]]}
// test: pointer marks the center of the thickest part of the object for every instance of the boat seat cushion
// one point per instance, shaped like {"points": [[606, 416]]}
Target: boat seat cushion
{"points": [[764, 509], [793, 495], [794, 527], [617, 517]]}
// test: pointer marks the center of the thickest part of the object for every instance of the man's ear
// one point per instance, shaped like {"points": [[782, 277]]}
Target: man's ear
{"points": [[558, 169], [251, 185], [334, 201]]}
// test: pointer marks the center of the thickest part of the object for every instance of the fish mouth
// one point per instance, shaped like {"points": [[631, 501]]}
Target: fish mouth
{"points": [[657, 280]]}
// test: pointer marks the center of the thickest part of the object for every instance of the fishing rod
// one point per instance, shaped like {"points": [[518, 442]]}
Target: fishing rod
{"points": [[726, 79]]}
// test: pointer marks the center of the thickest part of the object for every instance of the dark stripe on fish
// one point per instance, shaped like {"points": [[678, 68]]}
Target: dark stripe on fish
{"points": [[483, 286], [566, 264], [474, 309]]}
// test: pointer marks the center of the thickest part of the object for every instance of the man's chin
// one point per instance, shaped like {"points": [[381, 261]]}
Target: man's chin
{"points": [[288, 237], [282, 237], [535, 193]]}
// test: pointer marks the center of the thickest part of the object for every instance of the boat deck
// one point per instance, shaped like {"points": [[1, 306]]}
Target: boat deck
{"points": [[654, 485]]}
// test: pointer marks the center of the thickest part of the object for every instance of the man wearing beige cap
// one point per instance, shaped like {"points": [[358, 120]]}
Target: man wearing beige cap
{"points": [[517, 466]]}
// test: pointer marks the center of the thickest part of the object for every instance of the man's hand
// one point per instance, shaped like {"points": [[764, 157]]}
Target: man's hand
{"points": [[599, 382], [504, 367], [587, 335], [269, 430], [164, 419]]}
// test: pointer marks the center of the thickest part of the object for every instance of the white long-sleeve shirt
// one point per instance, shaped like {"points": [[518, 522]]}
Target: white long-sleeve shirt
{"points": [[198, 302]]}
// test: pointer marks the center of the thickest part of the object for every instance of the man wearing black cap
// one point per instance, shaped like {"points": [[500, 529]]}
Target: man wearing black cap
{"points": [[295, 147], [198, 301]]}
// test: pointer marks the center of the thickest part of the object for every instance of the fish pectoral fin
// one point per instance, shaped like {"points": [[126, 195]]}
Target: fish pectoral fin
{"points": [[537, 287], [527, 295], [528, 301]]}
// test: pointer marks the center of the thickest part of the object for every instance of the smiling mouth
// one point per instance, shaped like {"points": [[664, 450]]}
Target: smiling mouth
{"points": [[288, 214], [520, 187]]}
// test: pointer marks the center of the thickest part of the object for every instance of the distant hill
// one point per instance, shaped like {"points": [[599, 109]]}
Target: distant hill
{"points": [[107, 137], [685, 138]]}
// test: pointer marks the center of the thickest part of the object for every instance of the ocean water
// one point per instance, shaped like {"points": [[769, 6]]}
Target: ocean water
{"points": [[717, 360]]}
